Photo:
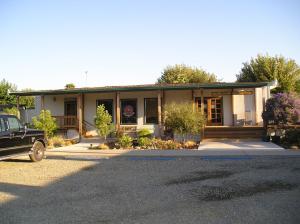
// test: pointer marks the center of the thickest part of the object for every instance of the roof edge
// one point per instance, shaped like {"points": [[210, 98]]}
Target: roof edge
{"points": [[150, 87]]}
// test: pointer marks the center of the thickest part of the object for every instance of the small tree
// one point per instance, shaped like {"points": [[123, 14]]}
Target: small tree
{"points": [[45, 122], [103, 121], [12, 111], [183, 119], [185, 74], [70, 86], [282, 109]]}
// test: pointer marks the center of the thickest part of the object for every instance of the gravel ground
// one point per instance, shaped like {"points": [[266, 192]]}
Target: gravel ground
{"points": [[78, 189]]}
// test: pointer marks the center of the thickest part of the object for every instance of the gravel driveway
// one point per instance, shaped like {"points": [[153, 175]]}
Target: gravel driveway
{"points": [[80, 189]]}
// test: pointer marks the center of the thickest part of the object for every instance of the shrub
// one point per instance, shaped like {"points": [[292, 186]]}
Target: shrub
{"points": [[169, 144], [103, 146], [70, 86], [45, 122], [12, 111], [282, 109], [103, 121], [145, 142], [56, 141], [144, 133], [183, 119], [190, 145], [291, 138], [125, 141]]}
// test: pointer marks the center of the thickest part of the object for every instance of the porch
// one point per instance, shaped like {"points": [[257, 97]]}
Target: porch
{"points": [[135, 107]]}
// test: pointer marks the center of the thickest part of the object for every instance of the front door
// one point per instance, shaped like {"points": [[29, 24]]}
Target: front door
{"points": [[213, 110], [70, 112]]}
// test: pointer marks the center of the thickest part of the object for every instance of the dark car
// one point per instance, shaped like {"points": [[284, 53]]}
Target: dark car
{"points": [[16, 139]]}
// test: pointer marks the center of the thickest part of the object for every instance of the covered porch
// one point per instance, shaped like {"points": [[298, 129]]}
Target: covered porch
{"points": [[135, 107]]}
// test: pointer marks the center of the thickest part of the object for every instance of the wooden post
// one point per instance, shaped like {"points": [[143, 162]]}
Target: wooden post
{"points": [[159, 112], [79, 114], [232, 107], [42, 102], [202, 111], [193, 99], [202, 101], [118, 113], [18, 103], [255, 105]]}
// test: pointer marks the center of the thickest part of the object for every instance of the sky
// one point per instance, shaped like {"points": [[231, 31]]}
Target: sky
{"points": [[46, 44]]}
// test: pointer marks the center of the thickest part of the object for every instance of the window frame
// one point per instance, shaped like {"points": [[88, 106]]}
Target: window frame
{"points": [[121, 107], [145, 118], [8, 123], [3, 124]]}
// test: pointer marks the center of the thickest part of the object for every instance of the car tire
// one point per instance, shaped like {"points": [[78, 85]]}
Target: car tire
{"points": [[37, 151]]}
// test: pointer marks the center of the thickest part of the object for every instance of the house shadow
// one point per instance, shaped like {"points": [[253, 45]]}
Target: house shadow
{"points": [[104, 190]]}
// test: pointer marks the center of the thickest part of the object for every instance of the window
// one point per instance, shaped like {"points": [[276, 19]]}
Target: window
{"points": [[13, 123], [129, 111], [198, 103], [2, 125], [108, 104], [151, 110]]}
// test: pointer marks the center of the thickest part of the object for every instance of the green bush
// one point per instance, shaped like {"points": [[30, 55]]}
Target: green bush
{"points": [[125, 141], [103, 121], [144, 142], [45, 122], [183, 119], [144, 133], [12, 111], [291, 138]]}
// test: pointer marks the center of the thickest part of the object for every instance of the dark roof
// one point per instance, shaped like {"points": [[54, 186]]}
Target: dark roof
{"points": [[149, 87]]}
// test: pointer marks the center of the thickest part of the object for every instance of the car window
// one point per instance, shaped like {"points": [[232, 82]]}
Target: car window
{"points": [[2, 125], [13, 123]]}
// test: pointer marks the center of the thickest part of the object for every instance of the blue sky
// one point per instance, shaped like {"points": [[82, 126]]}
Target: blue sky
{"points": [[46, 44]]}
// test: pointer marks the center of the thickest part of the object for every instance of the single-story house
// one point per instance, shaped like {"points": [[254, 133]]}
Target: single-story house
{"points": [[141, 106]]}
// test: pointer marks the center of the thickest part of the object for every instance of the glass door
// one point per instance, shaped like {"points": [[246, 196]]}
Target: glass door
{"points": [[213, 110]]}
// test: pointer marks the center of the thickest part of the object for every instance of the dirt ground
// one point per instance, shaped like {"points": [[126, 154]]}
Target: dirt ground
{"points": [[80, 189]]}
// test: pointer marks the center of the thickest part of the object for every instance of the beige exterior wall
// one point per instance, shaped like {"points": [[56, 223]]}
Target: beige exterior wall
{"points": [[227, 110], [178, 96]]}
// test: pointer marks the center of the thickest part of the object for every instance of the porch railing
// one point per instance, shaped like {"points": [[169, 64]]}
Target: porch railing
{"points": [[65, 122]]}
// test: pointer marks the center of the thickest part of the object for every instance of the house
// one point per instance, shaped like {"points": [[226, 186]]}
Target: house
{"points": [[226, 105]]}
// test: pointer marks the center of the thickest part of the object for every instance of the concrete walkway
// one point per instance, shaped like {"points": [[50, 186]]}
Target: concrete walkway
{"points": [[207, 148]]}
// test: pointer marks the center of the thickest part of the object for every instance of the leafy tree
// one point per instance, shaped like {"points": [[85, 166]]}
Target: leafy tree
{"points": [[297, 86], [45, 122], [182, 119], [70, 86], [7, 99], [28, 101], [185, 74], [267, 68], [12, 111], [282, 109], [103, 121], [5, 89]]}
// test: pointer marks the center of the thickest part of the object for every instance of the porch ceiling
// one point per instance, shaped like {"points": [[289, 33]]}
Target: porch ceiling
{"points": [[150, 87]]}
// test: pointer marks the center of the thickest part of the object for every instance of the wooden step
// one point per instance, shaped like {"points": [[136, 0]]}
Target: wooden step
{"points": [[233, 132]]}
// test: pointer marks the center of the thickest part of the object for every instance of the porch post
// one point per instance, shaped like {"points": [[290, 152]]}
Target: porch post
{"points": [[232, 107], [159, 112], [202, 101], [118, 120], [255, 104], [202, 111], [42, 102], [18, 102], [193, 99], [79, 114]]}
